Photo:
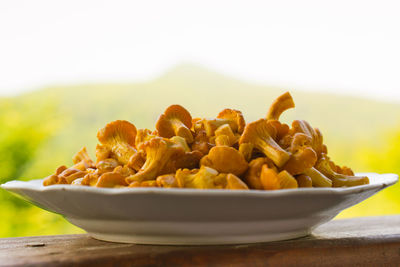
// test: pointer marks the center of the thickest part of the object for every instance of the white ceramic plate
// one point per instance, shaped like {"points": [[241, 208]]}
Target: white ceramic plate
{"points": [[196, 217]]}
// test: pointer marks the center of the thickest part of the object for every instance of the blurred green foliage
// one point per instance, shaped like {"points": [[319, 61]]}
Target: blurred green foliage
{"points": [[383, 156], [42, 130], [24, 125], [21, 134]]}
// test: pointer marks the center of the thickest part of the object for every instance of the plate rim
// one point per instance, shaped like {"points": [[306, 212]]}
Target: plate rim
{"points": [[32, 185]]}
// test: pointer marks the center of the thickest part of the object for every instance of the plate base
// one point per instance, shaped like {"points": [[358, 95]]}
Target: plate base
{"points": [[198, 240]]}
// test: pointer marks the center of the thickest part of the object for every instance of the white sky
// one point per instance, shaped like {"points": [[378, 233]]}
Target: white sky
{"points": [[350, 47]]}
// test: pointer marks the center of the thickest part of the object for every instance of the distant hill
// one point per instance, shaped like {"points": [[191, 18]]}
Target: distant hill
{"points": [[82, 109]]}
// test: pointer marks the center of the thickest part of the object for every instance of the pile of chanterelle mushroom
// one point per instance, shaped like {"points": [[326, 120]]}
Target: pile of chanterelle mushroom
{"points": [[219, 153]]}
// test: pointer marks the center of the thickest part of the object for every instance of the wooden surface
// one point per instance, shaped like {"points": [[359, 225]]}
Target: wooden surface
{"points": [[372, 241]]}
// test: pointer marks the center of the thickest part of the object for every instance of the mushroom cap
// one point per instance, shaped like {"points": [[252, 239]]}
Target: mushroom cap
{"points": [[222, 140], [302, 126], [300, 140], [177, 111], [194, 122], [142, 136], [235, 116], [225, 159], [118, 131], [82, 155], [281, 129], [90, 179], [61, 169], [225, 130], [189, 160], [50, 180], [304, 180], [102, 152], [303, 155], [137, 160], [163, 124], [182, 160], [257, 128], [181, 142], [269, 178], [124, 170], [252, 177], [111, 179], [106, 165], [301, 161], [235, 183]]}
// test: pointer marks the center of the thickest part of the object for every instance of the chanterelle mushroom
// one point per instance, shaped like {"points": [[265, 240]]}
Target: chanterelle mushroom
{"points": [[202, 178], [272, 180], [189, 159], [119, 138], [142, 136], [281, 129], [229, 138], [82, 160], [235, 119], [201, 142], [301, 126], [225, 159], [317, 178], [235, 183], [303, 156], [111, 179], [167, 181], [304, 180], [176, 121], [159, 151], [252, 177], [280, 104], [259, 134], [339, 180], [247, 150]]}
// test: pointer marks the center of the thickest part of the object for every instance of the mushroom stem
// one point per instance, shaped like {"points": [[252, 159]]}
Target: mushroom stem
{"points": [[222, 140], [280, 104], [260, 134], [318, 179], [286, 180], [123, 152], [272, 150], [181, 130], [159, 152], [339, 180], [246, 149]]}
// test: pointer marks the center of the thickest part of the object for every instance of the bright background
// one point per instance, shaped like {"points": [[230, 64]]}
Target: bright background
{"points": [[69, 67]]}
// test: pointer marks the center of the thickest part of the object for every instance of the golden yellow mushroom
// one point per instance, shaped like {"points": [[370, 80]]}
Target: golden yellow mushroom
{"points": [[259, 134], [175, 121], [225, 159], [119, 138]]}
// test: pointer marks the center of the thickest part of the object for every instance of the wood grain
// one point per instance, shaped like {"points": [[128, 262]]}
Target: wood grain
{"points": [[371, 241]]}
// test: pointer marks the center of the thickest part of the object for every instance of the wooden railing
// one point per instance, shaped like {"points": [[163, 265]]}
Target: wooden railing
{"points": [[370, 241]]}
